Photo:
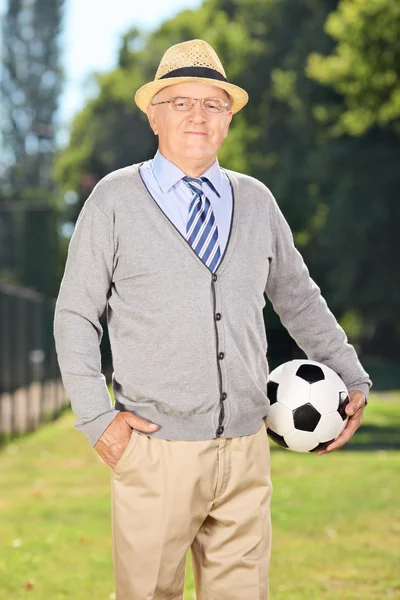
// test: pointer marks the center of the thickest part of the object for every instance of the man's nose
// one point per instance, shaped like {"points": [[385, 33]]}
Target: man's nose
{"points": [[196, 111]]}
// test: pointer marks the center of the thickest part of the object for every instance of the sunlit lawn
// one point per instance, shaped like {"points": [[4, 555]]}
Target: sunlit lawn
{"points": [[336, 518]]}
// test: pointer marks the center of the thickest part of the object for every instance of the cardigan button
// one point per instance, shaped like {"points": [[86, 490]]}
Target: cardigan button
{"points": [[220, 430], [223, 395], [221, 355], [214, 277], [218, 316]]}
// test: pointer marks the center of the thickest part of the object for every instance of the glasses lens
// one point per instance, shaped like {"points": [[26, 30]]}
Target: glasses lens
{"points": [[211, 105], [214, 105], [181, 103]]}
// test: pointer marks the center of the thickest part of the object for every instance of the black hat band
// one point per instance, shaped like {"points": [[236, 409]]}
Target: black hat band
{"points": [[195, 72]]}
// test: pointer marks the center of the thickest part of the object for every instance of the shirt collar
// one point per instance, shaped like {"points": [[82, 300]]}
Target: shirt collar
{"points": [[168, 174]]}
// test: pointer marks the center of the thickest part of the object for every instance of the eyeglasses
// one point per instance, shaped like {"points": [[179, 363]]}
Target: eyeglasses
{"points": [[209, 105]]}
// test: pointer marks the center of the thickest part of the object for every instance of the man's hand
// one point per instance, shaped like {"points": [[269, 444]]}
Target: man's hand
{"points": [[355, 410], [116, 437]]}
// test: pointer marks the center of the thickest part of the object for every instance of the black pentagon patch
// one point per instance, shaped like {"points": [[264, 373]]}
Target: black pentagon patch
{"points": [[272, 390], [277, 438], [310, 373], [306, 417], [343, 402], [322, 446]]}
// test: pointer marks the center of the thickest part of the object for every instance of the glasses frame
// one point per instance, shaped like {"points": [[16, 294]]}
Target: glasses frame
{"points": [[194, 100]]}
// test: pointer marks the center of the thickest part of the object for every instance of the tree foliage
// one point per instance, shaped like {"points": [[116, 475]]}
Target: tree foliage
{"points": [[365, 66]]}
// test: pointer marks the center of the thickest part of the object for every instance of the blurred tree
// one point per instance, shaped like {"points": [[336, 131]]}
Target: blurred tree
{"points": [[30, 84], [360, 238], [365, 66]]}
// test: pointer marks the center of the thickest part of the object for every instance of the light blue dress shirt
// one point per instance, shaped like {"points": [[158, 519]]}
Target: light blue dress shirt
{"points": [[164, 182]]}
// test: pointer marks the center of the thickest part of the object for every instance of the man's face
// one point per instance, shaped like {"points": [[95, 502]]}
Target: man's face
{"points": [[192, 134]]}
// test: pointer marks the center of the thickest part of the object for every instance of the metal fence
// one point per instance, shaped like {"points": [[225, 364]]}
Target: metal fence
{"points": [[29, 246], [31, 390]]}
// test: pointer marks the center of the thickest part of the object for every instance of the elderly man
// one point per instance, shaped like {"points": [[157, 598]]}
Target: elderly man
{"points": [[180, 252]]}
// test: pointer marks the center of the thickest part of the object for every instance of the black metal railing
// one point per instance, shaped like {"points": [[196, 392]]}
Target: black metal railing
{"points": [[31, 390]]}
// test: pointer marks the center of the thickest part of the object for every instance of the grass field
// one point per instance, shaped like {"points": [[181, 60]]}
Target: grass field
{"points": [[336, 518]]}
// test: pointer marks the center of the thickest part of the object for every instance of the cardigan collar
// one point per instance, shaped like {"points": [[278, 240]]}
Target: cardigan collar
{"points": [[168, 174]]}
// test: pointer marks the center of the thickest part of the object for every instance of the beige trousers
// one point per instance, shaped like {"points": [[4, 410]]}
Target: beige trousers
{"points": [[212, 496]]}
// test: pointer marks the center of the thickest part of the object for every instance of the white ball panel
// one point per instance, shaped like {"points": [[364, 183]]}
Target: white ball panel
{"points": [[324, 396], [277, 374], [329, 427], [301, 441], [334, 378], [280, 419], [294, 392]]}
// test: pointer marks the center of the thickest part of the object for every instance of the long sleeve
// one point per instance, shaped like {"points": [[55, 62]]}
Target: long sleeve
{"points": [[80, 303], [297, 300]]}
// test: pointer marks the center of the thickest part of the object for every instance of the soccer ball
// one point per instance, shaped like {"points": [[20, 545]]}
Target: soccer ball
{"points": [[307, 402]]}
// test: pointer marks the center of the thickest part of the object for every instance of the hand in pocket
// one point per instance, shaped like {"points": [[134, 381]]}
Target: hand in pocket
{"points": [[115, 439]]}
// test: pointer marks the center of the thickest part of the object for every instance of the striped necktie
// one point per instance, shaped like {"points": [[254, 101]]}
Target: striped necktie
{"points": [[201, 227]]}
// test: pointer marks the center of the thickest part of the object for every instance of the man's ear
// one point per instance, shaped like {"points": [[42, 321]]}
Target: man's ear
{"points": [[230, 115], [152, 118]]}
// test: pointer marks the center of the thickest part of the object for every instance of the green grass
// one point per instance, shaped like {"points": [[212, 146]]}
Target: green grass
{"points": [[336, 518]]}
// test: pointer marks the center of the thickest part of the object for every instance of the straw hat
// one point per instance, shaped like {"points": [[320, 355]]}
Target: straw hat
{"points": [[194, 60]]}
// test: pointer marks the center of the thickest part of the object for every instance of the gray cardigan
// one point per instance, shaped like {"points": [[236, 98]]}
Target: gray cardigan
{"points": [[188, 346]]}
